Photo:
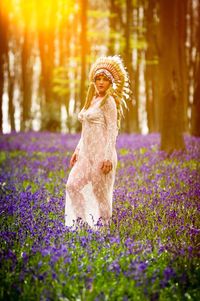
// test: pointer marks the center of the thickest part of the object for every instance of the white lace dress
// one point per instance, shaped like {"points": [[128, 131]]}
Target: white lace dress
{"points": [[88, 190]]}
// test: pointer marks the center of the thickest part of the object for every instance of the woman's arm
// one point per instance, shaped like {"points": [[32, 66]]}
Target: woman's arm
{"points": [[110, 114], [77, 149], [75, 154]]}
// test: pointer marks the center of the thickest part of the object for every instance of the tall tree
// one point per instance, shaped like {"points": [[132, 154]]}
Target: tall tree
{"points": [[84, 48], [75, 53], [132, 112], [46, 39], [182, 36], [3, 55], [113, 26], [151, 67], [171, 76], [139, 38], [64, 36], [195, 117], [11, 87], [26, 67]]}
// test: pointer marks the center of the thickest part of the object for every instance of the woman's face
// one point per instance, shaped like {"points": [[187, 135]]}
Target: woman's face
{"points": [[102, 84]]}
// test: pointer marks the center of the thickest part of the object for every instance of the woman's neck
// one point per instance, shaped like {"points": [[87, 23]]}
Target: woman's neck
{"points": [[100, 95]]}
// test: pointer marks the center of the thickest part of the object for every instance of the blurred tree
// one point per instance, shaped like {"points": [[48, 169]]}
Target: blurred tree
{"points": [[61, 75], [83, 48], [171, 77], [115, 20], [182, 36], [46, 21], [121, 35], [11, 86], [27, 65], [195, 118], [140, 45], [3, 55], [132, 124], [50, 42], [11, 79], [151, 66], [61, 91]]}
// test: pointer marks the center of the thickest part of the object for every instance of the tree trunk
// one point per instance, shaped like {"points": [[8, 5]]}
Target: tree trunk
{"points": [[3, 55], [46, 39], [195, 116], [195, 120], [190, 59], [26, 81], [182, 26], [64, 59], [1, 82], [84, 49], [171, 77], [151, 70], [132, 112], [75, 54], [11, 85], [113, 20]]}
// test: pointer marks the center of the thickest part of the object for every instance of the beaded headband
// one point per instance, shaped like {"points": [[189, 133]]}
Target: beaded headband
{"points": [[106, 73]]}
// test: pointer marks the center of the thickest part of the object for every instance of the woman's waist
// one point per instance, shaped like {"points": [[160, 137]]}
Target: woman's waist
{"points": [[97, 148]]}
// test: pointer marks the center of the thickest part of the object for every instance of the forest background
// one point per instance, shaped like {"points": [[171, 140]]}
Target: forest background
{"points": [[151, 249], [48, 46]]}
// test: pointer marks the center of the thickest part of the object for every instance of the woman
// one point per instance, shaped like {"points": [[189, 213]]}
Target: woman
{"points": [[90, 183]]}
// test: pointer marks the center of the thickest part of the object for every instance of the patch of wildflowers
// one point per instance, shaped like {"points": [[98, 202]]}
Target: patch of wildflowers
{"points": [[151, 245]]}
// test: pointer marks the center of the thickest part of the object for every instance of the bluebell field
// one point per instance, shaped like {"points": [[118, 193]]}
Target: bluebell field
{"points": [[149, 252]]}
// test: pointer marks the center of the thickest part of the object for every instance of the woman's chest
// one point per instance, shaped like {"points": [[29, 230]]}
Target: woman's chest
{"points": [[92, 114]]}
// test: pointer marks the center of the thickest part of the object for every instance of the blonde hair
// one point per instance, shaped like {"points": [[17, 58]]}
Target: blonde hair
{"points": [[120, 87], [92, 91]]}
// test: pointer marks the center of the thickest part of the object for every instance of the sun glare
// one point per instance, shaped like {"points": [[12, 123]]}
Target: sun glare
{"points": [[42, 15]]}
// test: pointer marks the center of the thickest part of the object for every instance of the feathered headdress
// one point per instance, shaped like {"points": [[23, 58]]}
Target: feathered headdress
{"points": [[114, 69]]}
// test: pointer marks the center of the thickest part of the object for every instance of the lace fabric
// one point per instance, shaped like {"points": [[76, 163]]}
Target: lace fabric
{"points": [[88, 190]]}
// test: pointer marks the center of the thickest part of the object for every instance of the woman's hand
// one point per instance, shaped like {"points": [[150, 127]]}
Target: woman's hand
{"points": [[73, 160], [106, 166]]}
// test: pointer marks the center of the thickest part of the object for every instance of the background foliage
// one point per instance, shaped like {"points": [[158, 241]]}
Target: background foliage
{"points": [[47, 48]]}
